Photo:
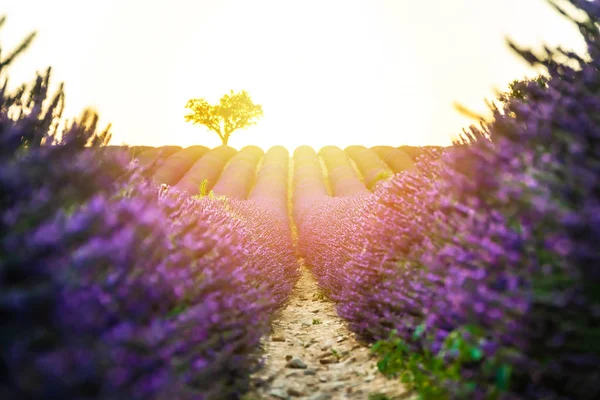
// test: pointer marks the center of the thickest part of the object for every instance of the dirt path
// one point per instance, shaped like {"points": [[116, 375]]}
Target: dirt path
{"points": [[311, 354]]}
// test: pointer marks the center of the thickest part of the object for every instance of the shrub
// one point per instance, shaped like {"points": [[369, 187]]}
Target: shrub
{"points": [[112, 287], [483, 263]]}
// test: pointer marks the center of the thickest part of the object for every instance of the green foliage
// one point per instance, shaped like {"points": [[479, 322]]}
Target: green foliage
{"points": [[203, 188], [382, 176], [378, 396], [432, 376], [316, 321], [175, 311], [335, 353], [203, 191], [234, 111]]}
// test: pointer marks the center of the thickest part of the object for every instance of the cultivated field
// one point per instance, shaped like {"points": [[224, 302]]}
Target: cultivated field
{"points": [[241, 174]]}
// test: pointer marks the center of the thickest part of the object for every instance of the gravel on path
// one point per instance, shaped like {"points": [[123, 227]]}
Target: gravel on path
{"points": [[311, 354]]}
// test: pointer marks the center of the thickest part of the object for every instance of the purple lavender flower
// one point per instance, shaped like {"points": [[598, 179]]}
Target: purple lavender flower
{"points": [[497, 236], [114, 288]]}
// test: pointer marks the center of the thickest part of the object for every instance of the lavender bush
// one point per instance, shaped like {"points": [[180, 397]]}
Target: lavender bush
{"points": [[272, 264], [384, 287], [526, 207], [112, 287], [484, 264], [325, 246]]}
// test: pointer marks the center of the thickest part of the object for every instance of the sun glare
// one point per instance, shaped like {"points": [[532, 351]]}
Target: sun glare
{"points": [[317, 85], [336, 72]]}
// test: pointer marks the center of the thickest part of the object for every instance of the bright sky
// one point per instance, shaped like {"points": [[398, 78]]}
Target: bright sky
{"points": [[327, 72]]}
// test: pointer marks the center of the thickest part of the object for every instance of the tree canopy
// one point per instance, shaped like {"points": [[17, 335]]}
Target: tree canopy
{"points": [[234, 111]]}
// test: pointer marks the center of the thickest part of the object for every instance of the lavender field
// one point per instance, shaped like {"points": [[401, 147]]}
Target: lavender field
{"points": [[470, 271]]}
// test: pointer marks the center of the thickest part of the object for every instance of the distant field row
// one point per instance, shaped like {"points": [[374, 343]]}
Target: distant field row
{"points": [[250, 172]]}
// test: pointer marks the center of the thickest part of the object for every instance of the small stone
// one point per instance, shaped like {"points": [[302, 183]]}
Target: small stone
{"points": [[295, 363], [323, 348], [337, 387], [320, 396], [350, 360], [327, 361], [292, 375], [277, 338], [341, 339], [314, 311], [322, 379], [279, 393], [288, 357], [310, 371], [294, 392], [306, 324], [307, 345]]}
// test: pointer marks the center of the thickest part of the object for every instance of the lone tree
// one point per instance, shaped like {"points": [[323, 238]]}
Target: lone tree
{"points": [[234, 111]]}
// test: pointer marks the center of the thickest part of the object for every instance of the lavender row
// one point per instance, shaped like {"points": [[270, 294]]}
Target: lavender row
{"points": [[271, 187], [309, 186], [157, 156], [174, 168], [343, 178], [240, 174], [371, 167], [396, 159], [484, 261], [112, 287], [208, 167]]}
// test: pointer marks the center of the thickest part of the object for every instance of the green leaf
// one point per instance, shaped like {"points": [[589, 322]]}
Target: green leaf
{"points": [[376, 346], [503, 377], [204, 188], [476, 353], [176, 311], [470, 387], [419, 330]]}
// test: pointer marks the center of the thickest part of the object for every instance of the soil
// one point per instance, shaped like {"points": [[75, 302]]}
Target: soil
{"points": [[311, 354]]}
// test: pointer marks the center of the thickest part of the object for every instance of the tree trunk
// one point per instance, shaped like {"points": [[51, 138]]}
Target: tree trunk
{"points": [[225, 140]]}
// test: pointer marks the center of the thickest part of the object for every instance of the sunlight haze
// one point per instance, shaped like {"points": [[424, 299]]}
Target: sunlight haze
{"points": [[326, 72]]}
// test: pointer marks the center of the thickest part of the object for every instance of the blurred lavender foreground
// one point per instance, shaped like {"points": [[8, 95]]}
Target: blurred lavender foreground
{"points": [[484, 265], [112, 287]]}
